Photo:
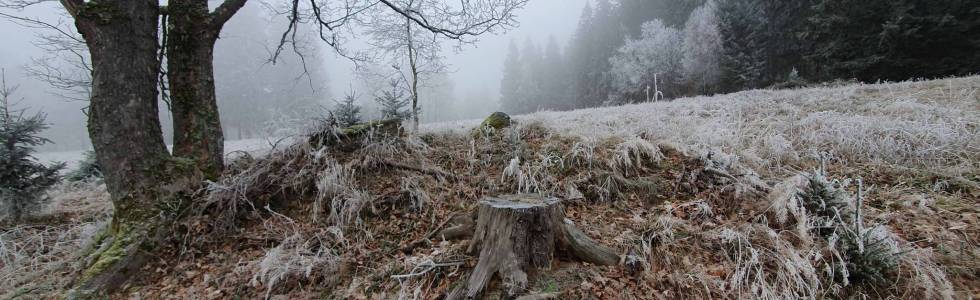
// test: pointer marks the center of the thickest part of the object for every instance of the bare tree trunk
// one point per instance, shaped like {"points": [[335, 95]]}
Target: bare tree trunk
{"points": [[192, 34], [190, 52], [412, 61], [125, 130], [123, 117]]}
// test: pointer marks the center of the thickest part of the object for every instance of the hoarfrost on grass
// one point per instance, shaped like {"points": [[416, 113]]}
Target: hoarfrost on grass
{"points": [[927, 125]]}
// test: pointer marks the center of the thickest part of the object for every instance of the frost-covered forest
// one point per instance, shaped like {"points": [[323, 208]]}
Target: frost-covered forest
{"points": [[489, 149], [638, 51]]}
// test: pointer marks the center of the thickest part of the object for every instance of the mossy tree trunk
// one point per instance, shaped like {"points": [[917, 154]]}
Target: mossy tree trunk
{"points": [[123, 125], [192, 32], [142, 178]]}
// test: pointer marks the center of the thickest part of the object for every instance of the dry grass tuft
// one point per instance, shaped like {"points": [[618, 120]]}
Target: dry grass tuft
{"points": [[767, 266], [37, 259], [632, 153], [298, 258]]}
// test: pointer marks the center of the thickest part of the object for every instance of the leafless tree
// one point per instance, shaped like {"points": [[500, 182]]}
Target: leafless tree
{"points": [[124, 37], [407, 32], [65, 63], [413, 52]]}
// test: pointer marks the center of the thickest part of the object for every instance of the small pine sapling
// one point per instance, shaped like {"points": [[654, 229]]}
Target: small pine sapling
{"points": [[346, 112], [88, 169], [393, 101], [869, 255]]}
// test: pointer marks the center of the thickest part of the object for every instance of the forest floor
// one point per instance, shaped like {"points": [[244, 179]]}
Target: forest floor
{"points": [[704, 197]]}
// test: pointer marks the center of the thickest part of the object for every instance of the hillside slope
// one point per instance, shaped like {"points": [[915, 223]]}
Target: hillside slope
{"points": [[850, 191]]}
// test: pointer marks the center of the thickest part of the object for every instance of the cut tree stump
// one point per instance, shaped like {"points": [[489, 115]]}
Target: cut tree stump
{"points": [[517, 234]]}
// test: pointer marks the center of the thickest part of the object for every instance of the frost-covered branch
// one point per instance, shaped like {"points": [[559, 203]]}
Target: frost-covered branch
{"points": [[65, 64], [463, 21]]}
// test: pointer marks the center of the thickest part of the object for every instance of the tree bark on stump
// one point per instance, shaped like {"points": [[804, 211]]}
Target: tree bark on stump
{"points": [[517, 234]]}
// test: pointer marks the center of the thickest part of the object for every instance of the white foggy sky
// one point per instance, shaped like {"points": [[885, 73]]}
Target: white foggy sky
{"points": [[480, 66], [477, 66]]}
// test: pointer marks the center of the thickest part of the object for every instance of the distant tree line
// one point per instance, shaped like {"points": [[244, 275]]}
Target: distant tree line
{"points": [[643, 50]]}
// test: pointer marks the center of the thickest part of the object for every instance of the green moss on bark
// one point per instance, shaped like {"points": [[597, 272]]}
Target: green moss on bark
{"points": [[105, 258], [100, 13]]}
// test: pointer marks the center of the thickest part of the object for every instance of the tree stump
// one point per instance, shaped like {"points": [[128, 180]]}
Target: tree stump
{"points": [[516, 234], [349, 139]]}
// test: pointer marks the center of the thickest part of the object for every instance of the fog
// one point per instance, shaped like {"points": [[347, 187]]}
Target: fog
{"points": [[469, 88]]}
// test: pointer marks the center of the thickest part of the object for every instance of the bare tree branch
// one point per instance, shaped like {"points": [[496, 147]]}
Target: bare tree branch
{"points": [[473, 18], [38, 24], [65, 63], [22, 4], [462, 22], [224, 12]]}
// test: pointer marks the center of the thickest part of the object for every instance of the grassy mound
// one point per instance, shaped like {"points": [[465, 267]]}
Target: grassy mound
{"points": [[720, 197]]}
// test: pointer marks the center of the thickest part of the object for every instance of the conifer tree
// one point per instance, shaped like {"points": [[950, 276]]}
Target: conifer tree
{"points": [[895, 40], [555, 78], [23, 180], [510, 84], [743, 61], [347, 112], [531, 91], [392, 101]]}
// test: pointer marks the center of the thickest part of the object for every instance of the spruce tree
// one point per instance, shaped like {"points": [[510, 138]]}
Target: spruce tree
{"points": [[555, 80], [895, 39], [785, 47], [393, 102], [511, 83], [597, 38], [23, 180], [347, 112], [743, 29], [673, 13], [87, 169], [530, 94], [609, 36], [581, 52]]}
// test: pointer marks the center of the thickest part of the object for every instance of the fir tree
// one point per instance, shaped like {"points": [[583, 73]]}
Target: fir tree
{"points": [[555, 77], [786, 24], [347, 113], [88, 168], [633, 13], [510, 84], [581, 54], [743, 30], [895, 40], [531, 91], [23, 180], [393, 101]]}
